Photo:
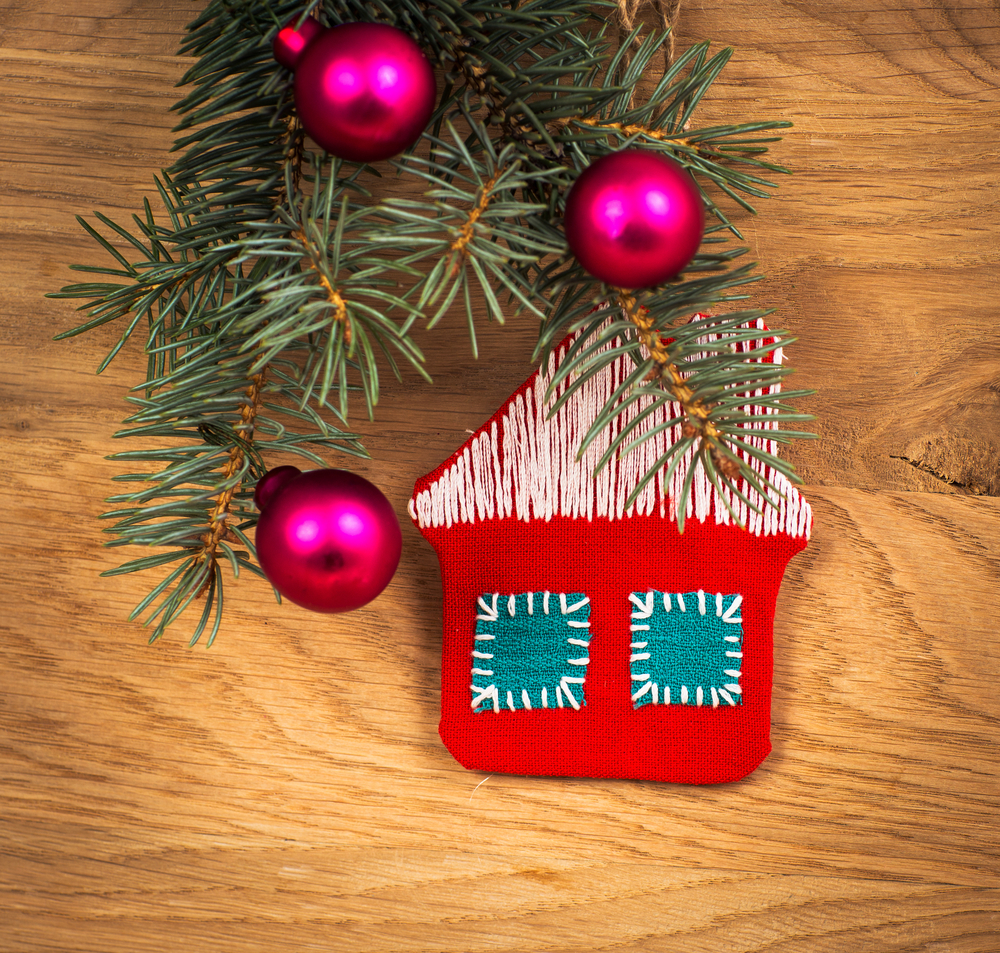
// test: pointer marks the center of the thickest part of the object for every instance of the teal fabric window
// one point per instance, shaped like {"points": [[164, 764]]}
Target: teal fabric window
{"points": [[531, 651], [687, 648]]}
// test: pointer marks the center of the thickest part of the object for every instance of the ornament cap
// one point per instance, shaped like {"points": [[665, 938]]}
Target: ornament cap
{"points": [[291, 42], [271, 484]]}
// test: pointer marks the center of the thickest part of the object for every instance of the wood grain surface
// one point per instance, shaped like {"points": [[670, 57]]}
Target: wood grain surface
{"points": [[286, 790]]}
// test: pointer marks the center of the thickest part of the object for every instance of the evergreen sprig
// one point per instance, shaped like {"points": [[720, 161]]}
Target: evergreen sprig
{"points": [[275, 288]]}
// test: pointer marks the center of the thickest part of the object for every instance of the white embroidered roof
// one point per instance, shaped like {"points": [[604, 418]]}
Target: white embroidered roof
{"points": [[522, 464]]}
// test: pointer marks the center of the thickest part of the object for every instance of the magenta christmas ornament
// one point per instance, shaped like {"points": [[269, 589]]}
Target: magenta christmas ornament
{"points": [[327, 540], [634, 218], [363, 91]]}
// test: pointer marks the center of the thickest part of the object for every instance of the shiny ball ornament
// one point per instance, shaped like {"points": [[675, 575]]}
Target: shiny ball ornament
{"points": [[363, 91], [634, 219], [327, 540]]}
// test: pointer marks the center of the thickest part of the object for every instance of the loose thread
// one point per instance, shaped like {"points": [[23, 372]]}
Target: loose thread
{"points": [[667, 13]]}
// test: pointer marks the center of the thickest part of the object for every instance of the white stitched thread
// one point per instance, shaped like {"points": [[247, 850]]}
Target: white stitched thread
{"points": [[734, 654], [733, 672], [638, 628], [656, 692], [530, 607], [680, 603], [638, 645], [570, 697], [482, 671], [488, 693], [643, 607], [642, 691], [484, 637], [699, 696], [585, 601], [727, 696], [718, 604], [490, 611], [666, 694], [545, 602], [666, 602], [545, 697], [559, 696], [562, 603], [715, 698], [577, 624], [482, 654], [578, 661], [524, 699], [579, 642], [701, 601], [727, 616], [735, 689], [684, 694], [640, 678], [510, 700], [640, 656], [511, 605], [732, 638]]}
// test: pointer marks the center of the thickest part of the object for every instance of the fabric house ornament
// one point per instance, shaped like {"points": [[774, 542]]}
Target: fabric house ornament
{"points": [[586, 638]]}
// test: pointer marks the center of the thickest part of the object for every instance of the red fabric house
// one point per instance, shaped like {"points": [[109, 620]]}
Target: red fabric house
{"points": [[584, 638]]}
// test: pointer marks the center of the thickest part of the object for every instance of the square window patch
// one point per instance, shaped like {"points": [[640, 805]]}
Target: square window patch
{"points": [[687, 648], [531, 651]]}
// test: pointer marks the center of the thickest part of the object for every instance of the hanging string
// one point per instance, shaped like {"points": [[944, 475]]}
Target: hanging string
{"points": [[667, 13]]}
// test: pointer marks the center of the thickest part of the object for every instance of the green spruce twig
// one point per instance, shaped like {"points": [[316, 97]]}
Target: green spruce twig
{"points": [[273, 290]]}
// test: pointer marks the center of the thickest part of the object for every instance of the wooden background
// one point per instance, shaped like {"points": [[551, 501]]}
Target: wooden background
{"points": [[286, 790]]}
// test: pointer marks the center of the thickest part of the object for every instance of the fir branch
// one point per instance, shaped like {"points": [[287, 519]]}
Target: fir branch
{"points": [[337, 304], [460, 243], [702, 392], [664, 368], [277, 289], [190, 285], [235, 466], [476, 225]]}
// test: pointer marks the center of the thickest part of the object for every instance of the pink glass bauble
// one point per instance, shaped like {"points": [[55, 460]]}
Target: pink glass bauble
{"points": [[363, 91], [634, 218], [327, 540]]}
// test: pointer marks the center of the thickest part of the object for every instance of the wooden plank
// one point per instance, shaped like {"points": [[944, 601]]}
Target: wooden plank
{"points": [[323, 730], [121, 29], [937, 49], [389, 900], [866, 249], [905, 373]]}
